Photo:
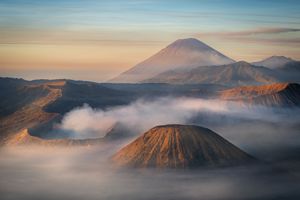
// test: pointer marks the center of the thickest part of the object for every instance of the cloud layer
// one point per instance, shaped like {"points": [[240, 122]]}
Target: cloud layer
{"points": [[251, 32], [35, 173], [85, 122]]}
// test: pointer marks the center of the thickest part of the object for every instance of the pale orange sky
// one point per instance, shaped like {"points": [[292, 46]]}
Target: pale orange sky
{"points": [[97, 40]]}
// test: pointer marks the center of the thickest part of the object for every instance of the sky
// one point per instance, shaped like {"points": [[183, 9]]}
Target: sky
{"points": [[98, 39]]}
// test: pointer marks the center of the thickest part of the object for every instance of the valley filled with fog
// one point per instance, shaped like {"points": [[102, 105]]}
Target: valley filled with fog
{"points": [[85, 173], [149, 100], [270, 135]]}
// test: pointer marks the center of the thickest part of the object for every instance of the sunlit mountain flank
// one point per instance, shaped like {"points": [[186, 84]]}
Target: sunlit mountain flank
{"points": [[148, 99]]}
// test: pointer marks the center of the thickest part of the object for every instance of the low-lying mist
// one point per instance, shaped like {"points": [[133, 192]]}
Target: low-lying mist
{"points": [[86, 122], [267, 133], [85, 173], [272, 135]]}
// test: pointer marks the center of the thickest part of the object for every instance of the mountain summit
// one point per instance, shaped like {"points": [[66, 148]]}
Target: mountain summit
{"points": [[181, 54], [180, 146], [273, 62]]}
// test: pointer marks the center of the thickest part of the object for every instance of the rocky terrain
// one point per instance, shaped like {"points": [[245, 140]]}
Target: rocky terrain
{"points": [[32, 112], [272, 95], [180, 146]]}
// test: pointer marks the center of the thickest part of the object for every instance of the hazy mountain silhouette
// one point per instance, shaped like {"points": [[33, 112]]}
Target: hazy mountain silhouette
{"points": [[273, 62], [181, 54], [239, 73]]}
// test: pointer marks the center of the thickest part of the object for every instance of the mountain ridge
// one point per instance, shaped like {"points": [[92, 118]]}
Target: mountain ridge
{"points": [[273, 62], [271, 95], [239, 73], [183, 53]]}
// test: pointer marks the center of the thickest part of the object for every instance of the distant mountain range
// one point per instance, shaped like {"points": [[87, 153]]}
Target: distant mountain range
{"points": [[186, 68], [287, 69], [180, 146], [181, 54], [31, 108], [190, 61], [239, 73], [274, 62]]}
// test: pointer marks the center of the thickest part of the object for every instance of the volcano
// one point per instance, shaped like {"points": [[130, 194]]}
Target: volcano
{"points": [[180, 146], [181, 54]]}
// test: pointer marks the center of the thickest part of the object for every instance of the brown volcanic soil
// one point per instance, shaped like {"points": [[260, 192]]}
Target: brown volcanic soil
{"points": [[180, 146], [278, 94], [32, 113], [35, 105]]}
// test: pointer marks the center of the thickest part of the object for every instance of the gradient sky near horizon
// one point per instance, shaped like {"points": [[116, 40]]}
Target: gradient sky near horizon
{"points": [[98, 39]]}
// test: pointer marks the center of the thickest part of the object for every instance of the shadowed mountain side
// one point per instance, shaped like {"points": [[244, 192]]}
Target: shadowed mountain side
{"points": [[180, 146], [38, 105], [290, 72], [273, 62], [273, 95], [240, 73], [155, 90], [183, 53], [76, 94], [16, 93], [32, 113]]}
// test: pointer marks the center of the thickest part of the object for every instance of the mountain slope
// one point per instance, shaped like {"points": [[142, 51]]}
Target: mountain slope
{"points": [[183, 53], [239, 73], [273, 95], [76, 94], [273, 62], [32, 112], [290, 72], [179, 146], [28, 104]]}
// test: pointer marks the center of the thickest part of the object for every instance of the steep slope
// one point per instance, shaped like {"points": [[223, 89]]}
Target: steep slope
{"points": [[32, 112], [273, 95], [183, 53], [180, 146], [13, 94], [28, 104], [239, 73], [273, 62]]}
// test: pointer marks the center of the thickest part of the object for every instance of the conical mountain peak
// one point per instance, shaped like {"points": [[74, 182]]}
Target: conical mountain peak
{"points": [[180, 146], [181, 54], [191, 43]]}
